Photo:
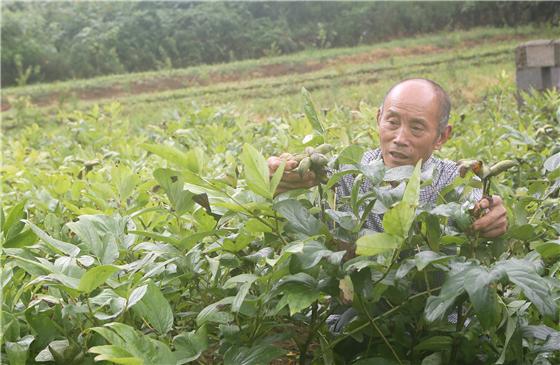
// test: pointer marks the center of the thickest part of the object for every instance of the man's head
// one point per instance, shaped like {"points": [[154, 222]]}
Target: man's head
{"points": [[413, 121]]}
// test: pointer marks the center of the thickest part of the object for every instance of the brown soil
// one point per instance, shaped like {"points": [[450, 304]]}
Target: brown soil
{"points": [[163, 83]]}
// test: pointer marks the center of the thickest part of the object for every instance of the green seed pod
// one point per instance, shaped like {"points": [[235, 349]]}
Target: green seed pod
{"points": [[309, 150], [299, 157], [500, 167], [319, 159], [324, 148], [304, 166]]}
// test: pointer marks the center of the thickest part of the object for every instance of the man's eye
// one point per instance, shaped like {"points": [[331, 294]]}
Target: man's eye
{"points": [[392, 122]]}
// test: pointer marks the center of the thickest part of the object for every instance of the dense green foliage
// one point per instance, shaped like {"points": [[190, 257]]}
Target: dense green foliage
{"points": [[46, 41], [163, 244]]}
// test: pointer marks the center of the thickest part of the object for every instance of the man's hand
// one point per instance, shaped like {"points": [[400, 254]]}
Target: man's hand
{"points": [[291, 180], [494, 223]]}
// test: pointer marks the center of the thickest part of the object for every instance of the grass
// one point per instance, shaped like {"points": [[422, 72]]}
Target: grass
{"points": [[447, 40], [466, 63]]}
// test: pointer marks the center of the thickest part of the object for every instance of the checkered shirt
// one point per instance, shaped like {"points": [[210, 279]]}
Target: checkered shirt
{"points": [[444, 172]]}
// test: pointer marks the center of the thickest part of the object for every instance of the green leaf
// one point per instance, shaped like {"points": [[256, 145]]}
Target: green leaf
{"points": [[376, 243], [337, 176], [346, 220], [549, 249], [398, 220], [177, 157], [438, 306], [256, 171], [212, 313], [525, 232], [115, 354], [22, 239], [17, 351], [480, 285], [446, 210], [310, 112], [553, 162], [189, 346], [373, 171], [253, 225], [155, 309], [54, 347], [195, 160], [522, 273], [432, 230], [172, 183], [13, 225], [300, 291], [275, 181], [375, 361], [95, 277], [351, 155], [59, 246], [256, 355], [412, 191], [247, 280], [435, 343], [433, 359], [425, 258], [299, 218], [311, 254], [128, 341], [103, 235], [511, 326]]}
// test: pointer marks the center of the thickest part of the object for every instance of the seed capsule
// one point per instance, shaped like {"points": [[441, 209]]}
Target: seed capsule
{"points": [[475, 166], [324, 148], [309, 150], [304, 166], [299, 157], [319, 159], [500, 167]]}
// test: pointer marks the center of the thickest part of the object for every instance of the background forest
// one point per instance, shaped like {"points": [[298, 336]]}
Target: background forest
{"points": [[48, 41]]}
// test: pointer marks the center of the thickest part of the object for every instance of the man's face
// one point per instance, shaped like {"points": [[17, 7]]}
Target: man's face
{"points": [[408, 124]]}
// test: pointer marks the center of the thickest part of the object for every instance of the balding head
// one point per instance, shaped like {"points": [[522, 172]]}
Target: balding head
{"points": [[441, 97]]}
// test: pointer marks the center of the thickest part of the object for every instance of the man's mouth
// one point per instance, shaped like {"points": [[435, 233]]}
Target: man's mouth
{"points": [[398, 156]]}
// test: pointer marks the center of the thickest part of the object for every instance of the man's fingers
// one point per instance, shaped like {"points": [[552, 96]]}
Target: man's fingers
{"points": [[274, 162], [494, 233], [494, 223], [290, 165], [294, 177], [493, 216]]}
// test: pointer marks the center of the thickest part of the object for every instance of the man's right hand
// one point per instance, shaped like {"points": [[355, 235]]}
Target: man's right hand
{"points": [[291, 179]]}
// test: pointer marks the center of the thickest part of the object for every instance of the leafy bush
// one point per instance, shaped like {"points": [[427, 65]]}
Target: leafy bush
{"points": [[164, 244]]}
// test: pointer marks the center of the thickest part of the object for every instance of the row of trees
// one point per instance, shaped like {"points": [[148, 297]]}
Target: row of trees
{"points": [[47, 41]]}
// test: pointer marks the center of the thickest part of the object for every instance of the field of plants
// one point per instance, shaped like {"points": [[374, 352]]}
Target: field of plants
{"points": [[148, 231]]}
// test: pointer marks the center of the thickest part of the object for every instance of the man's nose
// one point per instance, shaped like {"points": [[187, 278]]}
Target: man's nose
{"points": [[401, 137]]}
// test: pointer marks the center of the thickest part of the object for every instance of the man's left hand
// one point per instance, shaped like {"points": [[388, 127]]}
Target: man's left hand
{"points": [[494, 223]]}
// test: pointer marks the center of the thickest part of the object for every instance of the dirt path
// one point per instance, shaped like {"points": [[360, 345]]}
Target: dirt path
{"points": [[160, 84]]}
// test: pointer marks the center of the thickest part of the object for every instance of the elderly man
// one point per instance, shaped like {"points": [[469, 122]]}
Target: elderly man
{"points": [[412, 123]]}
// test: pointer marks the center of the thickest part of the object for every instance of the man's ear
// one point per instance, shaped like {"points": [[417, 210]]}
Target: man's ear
{"points": [[443, 137], [379, 112]]}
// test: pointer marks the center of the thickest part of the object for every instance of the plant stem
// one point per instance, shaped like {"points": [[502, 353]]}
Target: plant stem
{"points": [[303, 349], [321, 205], [458, 328], [394, 309], [372, 323]]}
